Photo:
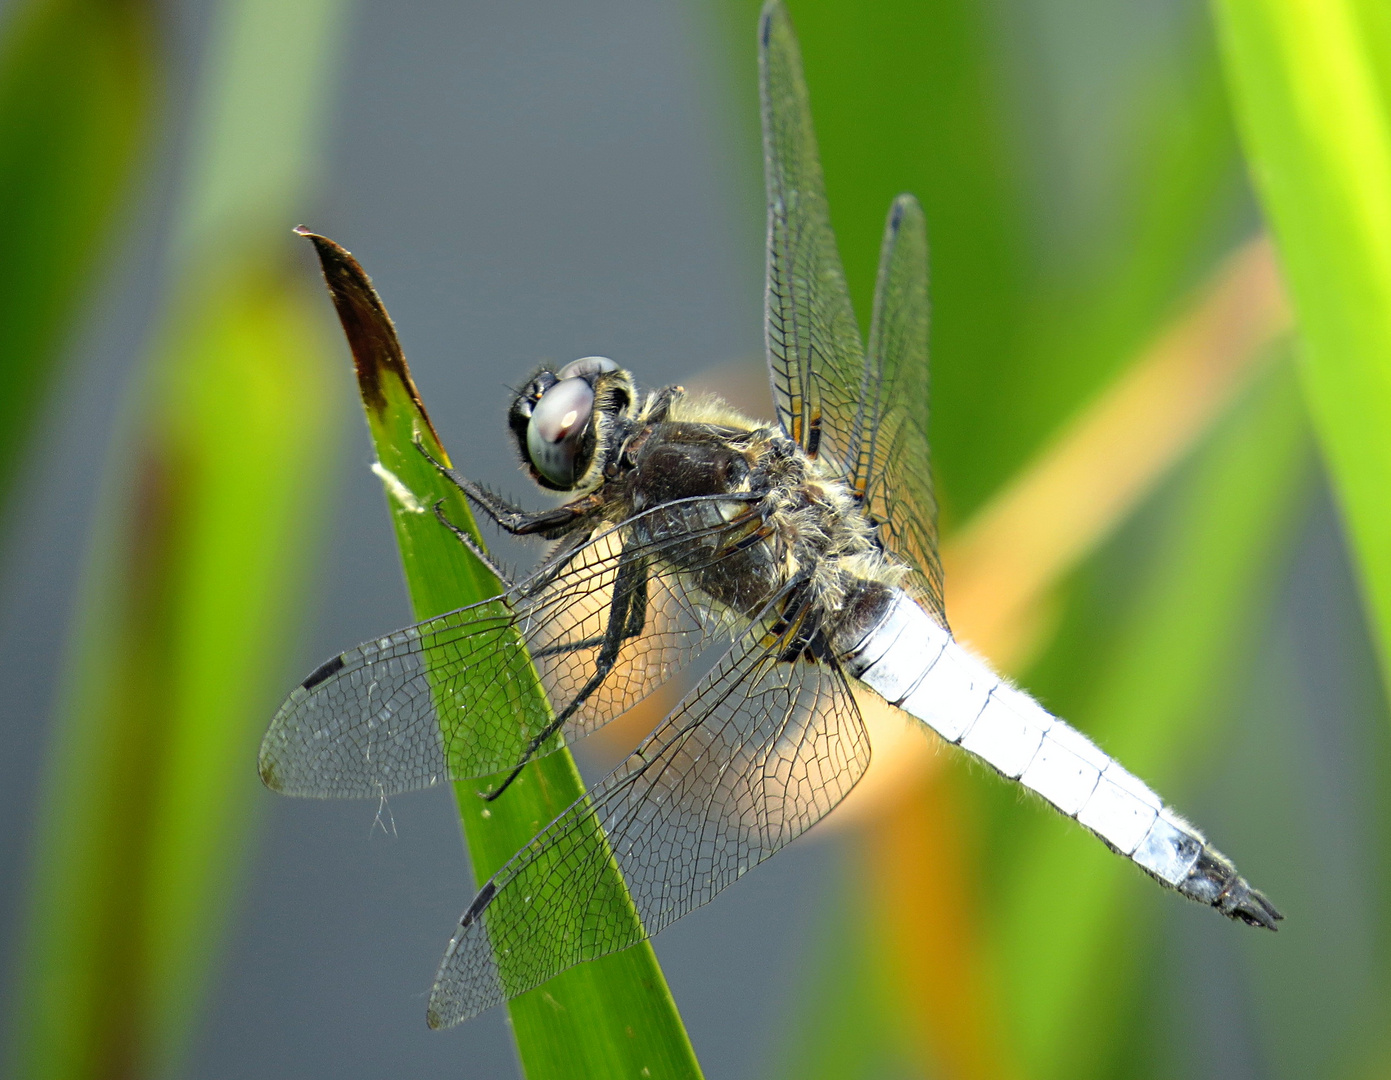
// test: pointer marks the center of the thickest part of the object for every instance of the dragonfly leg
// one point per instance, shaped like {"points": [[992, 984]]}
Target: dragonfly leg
{"points": [[637, 622], [474, 547], [627, 619], [511, 519], [554, 564]]}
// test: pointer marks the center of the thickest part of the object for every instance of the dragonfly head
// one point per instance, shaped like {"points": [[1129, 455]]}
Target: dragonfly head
{"points": [[561, 418]]}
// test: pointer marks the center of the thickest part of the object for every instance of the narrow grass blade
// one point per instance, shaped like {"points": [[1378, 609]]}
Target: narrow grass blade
{"points": [[76, 88], [1313, 94], [609, 1017], [195, 582], [850, 1022], [931, 926]]}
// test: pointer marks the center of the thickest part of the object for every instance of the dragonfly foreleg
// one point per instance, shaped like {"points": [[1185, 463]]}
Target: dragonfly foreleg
{"points": [[550, 524], [627, 619], [477, 550], [555, 564]]}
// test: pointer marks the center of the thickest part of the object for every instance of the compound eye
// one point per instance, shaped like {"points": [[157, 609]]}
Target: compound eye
{"points": [[586, 367], [556, 429]]}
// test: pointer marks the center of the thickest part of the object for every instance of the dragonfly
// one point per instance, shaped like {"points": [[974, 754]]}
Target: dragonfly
{"points": [[801, 554]]}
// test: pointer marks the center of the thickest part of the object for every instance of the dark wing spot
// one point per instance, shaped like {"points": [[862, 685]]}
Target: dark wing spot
{"points": [[324, 672], [480, 901]]}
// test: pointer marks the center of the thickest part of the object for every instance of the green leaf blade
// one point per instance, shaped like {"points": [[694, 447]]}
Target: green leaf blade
{"points": [[608, 1017], [1314, 101], [76, 101]]}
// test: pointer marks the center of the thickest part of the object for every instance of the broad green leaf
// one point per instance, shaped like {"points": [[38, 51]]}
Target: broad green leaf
{"points": [[76, 82], [1312, 85], [609, 1017], [194, 587]]}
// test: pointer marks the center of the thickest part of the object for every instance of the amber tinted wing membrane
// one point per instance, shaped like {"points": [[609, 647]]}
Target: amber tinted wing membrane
{"points": [[451, 696], [756, 754], [666, 621], [815, 355], [894, 465]]}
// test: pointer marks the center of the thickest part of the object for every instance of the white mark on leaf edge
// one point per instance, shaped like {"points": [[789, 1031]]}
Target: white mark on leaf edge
{"points": [[397, 490]]}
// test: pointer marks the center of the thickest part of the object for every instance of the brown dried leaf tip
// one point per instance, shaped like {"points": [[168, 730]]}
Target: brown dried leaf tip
{"points": [[371, 335]]}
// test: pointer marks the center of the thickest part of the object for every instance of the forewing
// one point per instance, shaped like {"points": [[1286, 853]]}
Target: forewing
{"points": [[758, 752], [453, 697], [566, 626], [815, 355], [893, 469]]}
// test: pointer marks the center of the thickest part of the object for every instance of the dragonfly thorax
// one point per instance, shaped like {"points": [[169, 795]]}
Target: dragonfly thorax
{"points": [[797, 522]]}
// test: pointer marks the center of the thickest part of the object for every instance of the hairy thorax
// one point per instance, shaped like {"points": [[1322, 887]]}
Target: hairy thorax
{"points": [[798, 521]]}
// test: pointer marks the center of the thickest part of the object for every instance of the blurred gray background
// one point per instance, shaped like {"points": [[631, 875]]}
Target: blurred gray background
{"points": [[534, 182]]}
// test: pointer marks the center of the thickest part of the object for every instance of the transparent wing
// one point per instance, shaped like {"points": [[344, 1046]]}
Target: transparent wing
{"points": [[893, 467], [815, 355], [454, 696], [755, 755], [870, 409], [668, 621]]}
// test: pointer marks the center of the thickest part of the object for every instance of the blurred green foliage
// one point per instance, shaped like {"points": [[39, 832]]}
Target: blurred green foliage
{"points": [[189, 607], [1081, 173], [1044, 291], [1312, 83], [1152, 682], [77, 86], [190, 596]]}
